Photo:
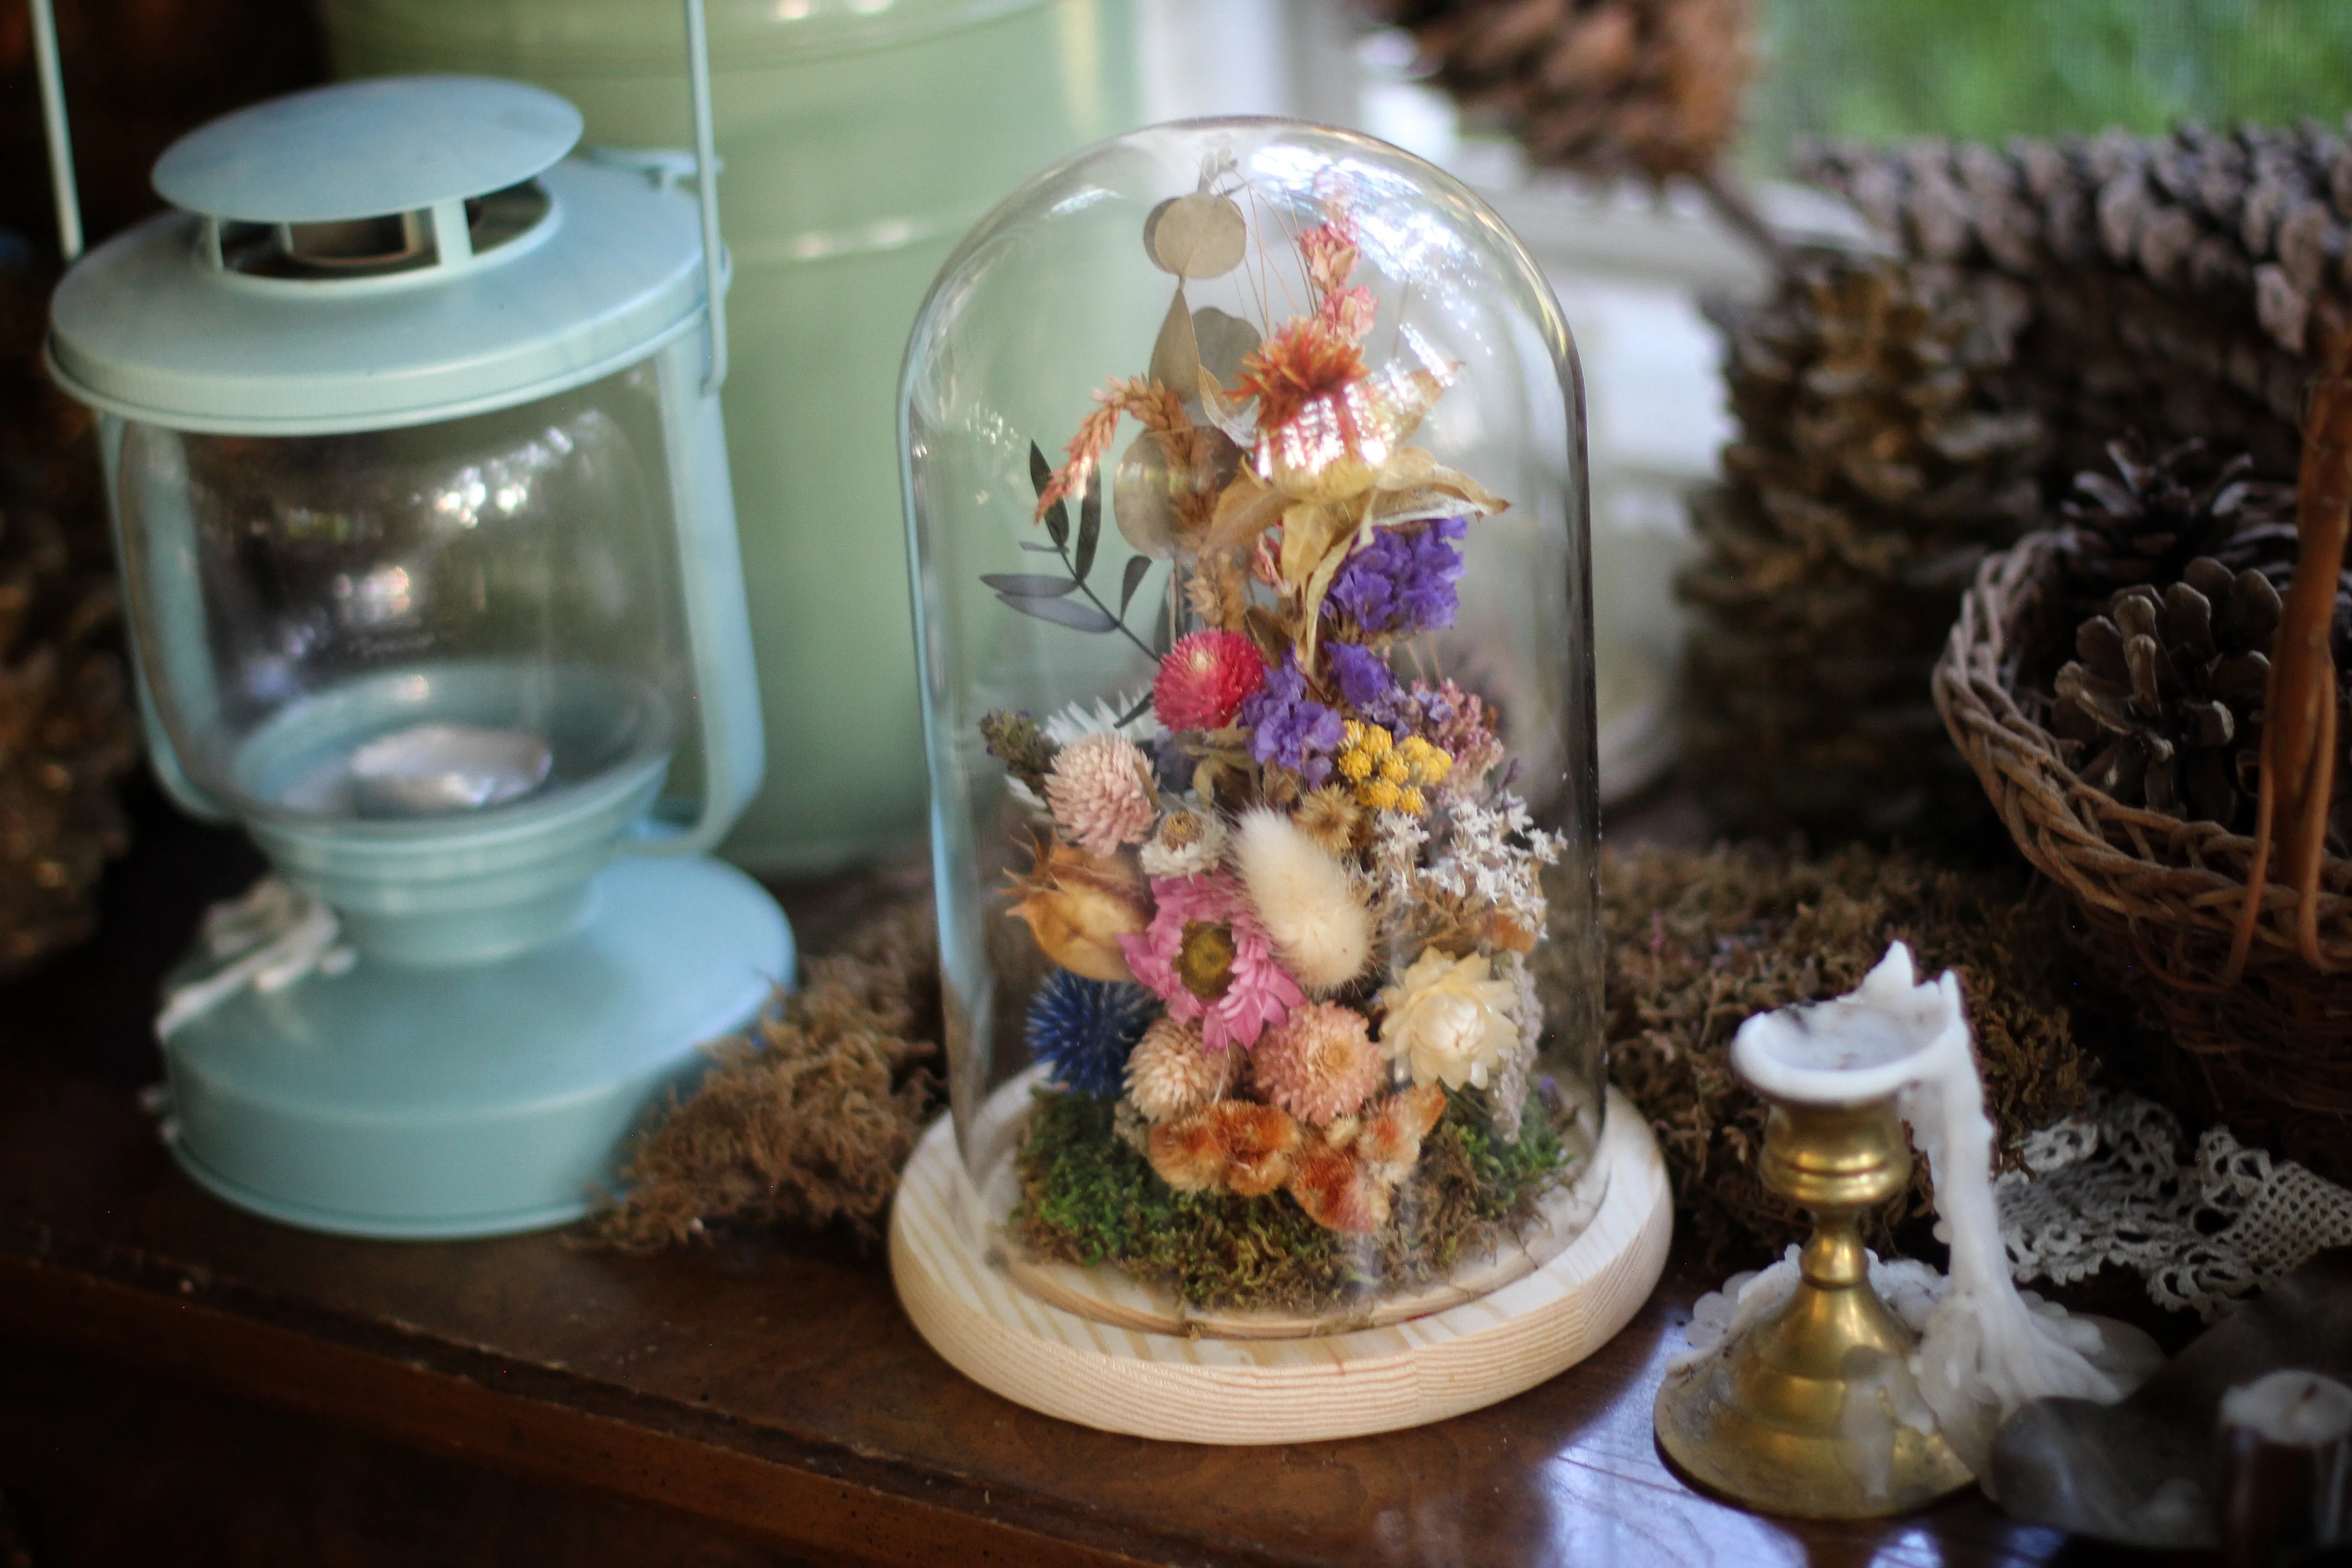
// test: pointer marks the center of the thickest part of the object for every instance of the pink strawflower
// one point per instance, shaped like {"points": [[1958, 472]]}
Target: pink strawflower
{"points": [[1207, 957], [1101, 793], [1205, 679], [1319, 1064]]}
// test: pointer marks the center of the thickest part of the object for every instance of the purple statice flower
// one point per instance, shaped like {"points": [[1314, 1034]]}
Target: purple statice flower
{"points": [[1365, 681], [1403, 581], [1290, 728]]}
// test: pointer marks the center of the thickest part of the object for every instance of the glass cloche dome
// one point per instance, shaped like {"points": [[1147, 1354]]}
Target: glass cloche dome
{"points": [[1244, 466]]}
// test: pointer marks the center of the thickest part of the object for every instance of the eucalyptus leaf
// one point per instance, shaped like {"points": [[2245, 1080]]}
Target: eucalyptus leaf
{"points": [[1175, 356], [1089, 527], [1065, 612], [1137, 567], [1139, 498], [1221, 342], [1028, 585], [1041, 472], [1199, 236]]}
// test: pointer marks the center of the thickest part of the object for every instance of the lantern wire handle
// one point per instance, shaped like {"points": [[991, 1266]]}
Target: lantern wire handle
{"points": [[53, 119], [705, 185]]}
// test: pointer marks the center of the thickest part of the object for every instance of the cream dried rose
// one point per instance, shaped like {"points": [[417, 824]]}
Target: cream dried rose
{"points": [[1448, 1020]]}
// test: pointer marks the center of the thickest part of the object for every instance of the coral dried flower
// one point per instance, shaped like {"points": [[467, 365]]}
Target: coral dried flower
{"points": [[1307, 358], [1205, 679], [1328, 253], [1319, 1064], [1231, 1143], [1101, 792], [1337, 1189]]}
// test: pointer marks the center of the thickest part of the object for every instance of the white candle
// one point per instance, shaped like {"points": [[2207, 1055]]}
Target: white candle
{"points": [[1985, 1348]]}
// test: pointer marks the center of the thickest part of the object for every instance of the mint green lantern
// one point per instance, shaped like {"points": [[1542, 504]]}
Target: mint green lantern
{"points": [[412, 435]]}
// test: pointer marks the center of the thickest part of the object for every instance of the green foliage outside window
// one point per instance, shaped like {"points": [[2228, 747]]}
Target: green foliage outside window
{"points": [[1985, 69]]}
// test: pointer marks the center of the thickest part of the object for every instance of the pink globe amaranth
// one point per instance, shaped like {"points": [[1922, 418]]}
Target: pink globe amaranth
{"points": [[1205, 679], [1205, 955], [1100, 793], [1319, 1064]]}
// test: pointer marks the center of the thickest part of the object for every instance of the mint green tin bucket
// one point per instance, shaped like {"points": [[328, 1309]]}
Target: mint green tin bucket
{"points": [[859, 141]]}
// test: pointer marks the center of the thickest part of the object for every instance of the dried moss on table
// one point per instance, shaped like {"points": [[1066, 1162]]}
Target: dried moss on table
{"points": [[1700, 942], [810, 1124]]}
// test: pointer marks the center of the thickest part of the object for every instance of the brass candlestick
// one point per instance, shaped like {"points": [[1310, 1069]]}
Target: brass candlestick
{"points": [[1812, 1411]]}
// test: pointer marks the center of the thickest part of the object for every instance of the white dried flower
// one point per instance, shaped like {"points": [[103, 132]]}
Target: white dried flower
{"points": [[1168, 1073], [1186, 844], [1449, 1020], [1397, 841], [1080, 719], [1485, 859]]}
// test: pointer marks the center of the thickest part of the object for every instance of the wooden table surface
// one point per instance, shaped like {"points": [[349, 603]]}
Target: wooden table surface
{"points": [[177, 1377]]}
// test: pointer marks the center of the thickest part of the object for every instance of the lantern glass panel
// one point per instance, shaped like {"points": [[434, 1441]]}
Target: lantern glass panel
{"points": [[472, 615], [1244, 467]]}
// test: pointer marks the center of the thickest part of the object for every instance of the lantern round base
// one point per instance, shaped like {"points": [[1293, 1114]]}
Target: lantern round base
{"points": [[1298, 1390], [397, 1101]]}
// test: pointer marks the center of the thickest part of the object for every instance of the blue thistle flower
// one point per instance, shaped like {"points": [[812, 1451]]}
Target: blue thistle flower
{"points": [[1085, 1028]]}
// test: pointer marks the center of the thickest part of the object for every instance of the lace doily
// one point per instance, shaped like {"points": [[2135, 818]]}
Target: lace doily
{"points": [[2110, 1186]]}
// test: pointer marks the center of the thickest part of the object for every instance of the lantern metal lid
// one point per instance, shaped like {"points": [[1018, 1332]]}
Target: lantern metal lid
{"points": [[362, 148], [333, 264]]}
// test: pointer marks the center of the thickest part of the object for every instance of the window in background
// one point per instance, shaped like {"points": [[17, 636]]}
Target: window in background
{"points": [[1988, 69]]}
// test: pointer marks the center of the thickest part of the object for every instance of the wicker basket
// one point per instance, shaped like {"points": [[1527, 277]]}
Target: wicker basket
{"points": [[2161, 897]]}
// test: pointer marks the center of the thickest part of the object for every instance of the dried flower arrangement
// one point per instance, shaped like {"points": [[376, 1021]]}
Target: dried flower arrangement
{"points": [[1287, 892]]}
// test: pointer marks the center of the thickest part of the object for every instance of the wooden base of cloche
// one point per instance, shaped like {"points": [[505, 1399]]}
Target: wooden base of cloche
{"points": [[1290, 1390]]}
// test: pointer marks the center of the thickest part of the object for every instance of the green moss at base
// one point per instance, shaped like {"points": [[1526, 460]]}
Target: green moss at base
{"points": [[1088, 1197]]}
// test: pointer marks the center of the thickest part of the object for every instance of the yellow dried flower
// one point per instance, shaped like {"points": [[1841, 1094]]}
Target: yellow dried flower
{"points": [[1428, 764], [1412, 802], [1394, 769], [1354, 765], [1380, 795]]}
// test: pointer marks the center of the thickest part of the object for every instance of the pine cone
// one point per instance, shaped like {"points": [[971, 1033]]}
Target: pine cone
{"points": [[1879, 456], [2162, 707], [1604, 87], [2173, 280], [67, 736], [2164, 510]]}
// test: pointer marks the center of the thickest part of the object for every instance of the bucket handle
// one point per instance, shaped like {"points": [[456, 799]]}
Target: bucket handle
{"points": [[705, 185]]}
